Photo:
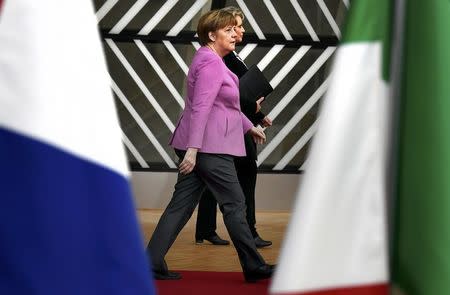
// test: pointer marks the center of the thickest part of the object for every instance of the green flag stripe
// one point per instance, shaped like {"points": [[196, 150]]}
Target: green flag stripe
{"points": [[367, 21], [422, 246]]}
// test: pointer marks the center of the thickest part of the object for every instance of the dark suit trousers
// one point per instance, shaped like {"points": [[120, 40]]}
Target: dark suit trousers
{"points": [[206, 219], [217, 172]]}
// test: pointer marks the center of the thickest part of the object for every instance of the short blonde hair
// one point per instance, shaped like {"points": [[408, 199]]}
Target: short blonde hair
{"points": [[213, 21], [234, 11]]}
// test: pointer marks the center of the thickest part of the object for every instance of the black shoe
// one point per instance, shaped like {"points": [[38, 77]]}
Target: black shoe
{"points": [[260, 243], [265, 271], [214, 239], [166, 275]]}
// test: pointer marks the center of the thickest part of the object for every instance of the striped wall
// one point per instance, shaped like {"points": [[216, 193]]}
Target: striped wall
{"points": [[150, 44]]}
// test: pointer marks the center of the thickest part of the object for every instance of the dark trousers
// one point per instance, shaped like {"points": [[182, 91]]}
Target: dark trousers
{"points": [[217, 172], [207, 208]]}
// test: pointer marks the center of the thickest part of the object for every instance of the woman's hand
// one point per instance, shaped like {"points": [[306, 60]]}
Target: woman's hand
{"points": [[258, 104], [258, 135], [188, 163], [266, 122]]}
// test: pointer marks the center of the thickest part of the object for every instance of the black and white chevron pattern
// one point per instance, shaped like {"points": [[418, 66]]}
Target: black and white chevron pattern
{"points": [[149, 45]]}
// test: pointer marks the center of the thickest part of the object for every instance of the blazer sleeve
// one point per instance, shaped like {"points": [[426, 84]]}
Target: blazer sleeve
{"points": [[208, 82], [246, 123]]}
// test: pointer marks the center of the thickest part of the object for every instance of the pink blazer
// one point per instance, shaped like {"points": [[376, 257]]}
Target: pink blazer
{"points": [[212, 120]]}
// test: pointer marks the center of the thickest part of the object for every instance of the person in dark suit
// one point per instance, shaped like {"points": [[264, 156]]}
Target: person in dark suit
{"points": [[207, 137], [245, 166]]}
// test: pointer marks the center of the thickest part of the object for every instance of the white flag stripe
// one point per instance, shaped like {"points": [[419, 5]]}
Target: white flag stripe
{"points": [[278, 20], [106, 7], [140, 84], [251, 20], [160, 72], [41, 84], [273, 144], [162, 12], [301, 82], [142, 124], [247, 50], [127, 17], [330, 18], [196, 45], [176, 56], [134, 151], [273, 52], [296, 148], [289, 66], [187, 17], [339, 216], [305, 20]]}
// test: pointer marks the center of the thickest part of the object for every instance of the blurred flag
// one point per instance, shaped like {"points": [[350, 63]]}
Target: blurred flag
{"points": [[421, 264], [67, 220], [336, 240]]}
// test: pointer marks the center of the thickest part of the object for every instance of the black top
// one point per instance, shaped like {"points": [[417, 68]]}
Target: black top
{"points": [[239, 68]]}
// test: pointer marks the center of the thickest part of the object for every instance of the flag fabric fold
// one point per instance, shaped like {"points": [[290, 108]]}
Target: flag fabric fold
{"points": [[336, 239], [67, 219]]}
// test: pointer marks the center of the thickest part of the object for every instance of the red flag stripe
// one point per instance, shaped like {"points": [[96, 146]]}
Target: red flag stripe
{"points": [[1, 2], [379, 289]]}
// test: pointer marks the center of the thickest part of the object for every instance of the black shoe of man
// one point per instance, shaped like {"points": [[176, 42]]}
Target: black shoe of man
{"points": [[260, 243], [214, 239]]}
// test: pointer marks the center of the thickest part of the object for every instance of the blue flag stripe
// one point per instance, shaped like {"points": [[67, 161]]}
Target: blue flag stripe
{"points": [[66, 219]]}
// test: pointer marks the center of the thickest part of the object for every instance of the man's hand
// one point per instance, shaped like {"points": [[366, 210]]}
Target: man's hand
{"points": [[188, 163], [266, 122], [258, 135], [258, 104]]}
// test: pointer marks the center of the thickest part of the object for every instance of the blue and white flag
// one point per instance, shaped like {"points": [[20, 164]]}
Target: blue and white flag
{"points": [[67, 219]]}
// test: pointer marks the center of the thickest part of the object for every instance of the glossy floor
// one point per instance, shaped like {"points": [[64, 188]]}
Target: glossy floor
{"points": [[186, 255]]}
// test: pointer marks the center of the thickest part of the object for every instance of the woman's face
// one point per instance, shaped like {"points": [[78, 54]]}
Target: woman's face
{"points": [[224, 40], [239, 28]]}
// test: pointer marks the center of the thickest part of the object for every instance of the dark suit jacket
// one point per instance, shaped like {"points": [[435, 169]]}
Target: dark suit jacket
{"points": [[247, 107]]}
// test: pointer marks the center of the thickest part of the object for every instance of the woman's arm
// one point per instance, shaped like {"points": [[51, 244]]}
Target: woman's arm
{"points": [[189, 160], [257, 134], [206, 88], [246, 123]]}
